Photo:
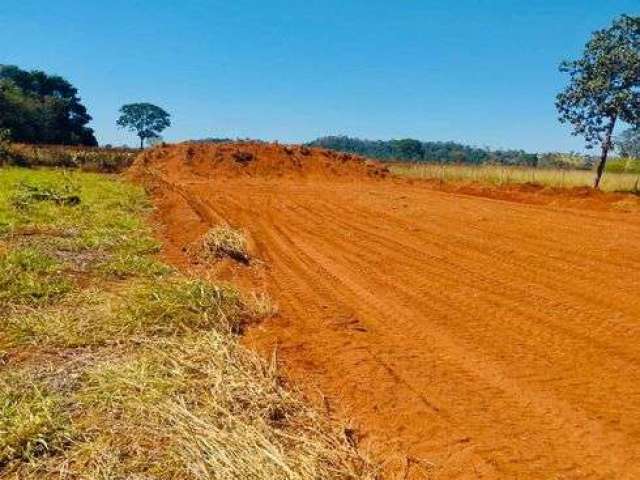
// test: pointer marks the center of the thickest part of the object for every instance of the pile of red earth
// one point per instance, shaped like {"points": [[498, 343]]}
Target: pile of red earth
{"points": [[232, 160]]}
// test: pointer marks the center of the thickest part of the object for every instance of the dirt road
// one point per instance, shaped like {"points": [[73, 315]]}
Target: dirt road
{"points": [[466, 337]]}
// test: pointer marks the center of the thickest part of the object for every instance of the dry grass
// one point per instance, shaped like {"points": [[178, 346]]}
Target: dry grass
{"points": [[202, 407], [261, 305], [85, 158], [225, 241], [132, 371], [503, 175], [32, 420]]}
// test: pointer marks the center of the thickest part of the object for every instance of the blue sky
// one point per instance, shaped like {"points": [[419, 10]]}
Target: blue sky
{"points": [[476, 71]]}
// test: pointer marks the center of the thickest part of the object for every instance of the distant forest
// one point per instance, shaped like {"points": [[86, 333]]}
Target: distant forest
{"points": [[416, 151]]}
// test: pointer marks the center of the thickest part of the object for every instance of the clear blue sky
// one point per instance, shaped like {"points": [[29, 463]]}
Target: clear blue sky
{"points": [[477, 71]]}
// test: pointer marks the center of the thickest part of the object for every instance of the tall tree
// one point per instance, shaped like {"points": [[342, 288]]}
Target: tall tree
{"points": [[145, 119], [40, 108], [604, 86]]}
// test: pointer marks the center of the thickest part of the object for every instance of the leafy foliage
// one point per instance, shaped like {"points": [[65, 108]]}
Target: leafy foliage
{"points": [[417, 151], [39, 108], [145, 119]]}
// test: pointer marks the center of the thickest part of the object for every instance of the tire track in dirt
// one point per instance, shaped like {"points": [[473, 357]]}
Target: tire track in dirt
{"points": [[502, 289], [489, 272], [479, 280], [363, 294]]}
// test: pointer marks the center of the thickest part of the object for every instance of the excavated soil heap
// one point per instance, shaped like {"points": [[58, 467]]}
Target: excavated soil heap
{"points": [[233, 160]]}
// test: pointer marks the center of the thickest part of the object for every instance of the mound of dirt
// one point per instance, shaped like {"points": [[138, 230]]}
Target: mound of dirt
{"points": [[231, 160]]}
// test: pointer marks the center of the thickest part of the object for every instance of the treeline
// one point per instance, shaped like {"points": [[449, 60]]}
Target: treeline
{"points": [[417, 151], [39, 108]]}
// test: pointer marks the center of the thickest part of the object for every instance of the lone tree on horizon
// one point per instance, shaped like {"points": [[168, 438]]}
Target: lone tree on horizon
{"points": [[145, 119], [604, 86]]}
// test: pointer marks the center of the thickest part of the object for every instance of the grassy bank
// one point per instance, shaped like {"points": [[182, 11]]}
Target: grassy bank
{"points": [[114, 366], [615, 180]]}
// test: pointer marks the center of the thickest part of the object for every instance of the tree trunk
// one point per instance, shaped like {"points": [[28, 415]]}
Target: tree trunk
{"points": [[606, 146], [141, 142]]}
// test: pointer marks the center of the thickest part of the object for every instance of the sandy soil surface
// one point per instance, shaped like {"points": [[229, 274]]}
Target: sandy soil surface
{"points": [[466, 337]]}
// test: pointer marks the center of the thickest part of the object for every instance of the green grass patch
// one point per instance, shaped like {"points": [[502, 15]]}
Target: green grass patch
{"points": [[113, 365], [33, 421], [624, 165], [180, 306], [29, 276]]}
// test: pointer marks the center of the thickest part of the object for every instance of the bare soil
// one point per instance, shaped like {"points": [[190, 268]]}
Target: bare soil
{"points": [[478, 334]]}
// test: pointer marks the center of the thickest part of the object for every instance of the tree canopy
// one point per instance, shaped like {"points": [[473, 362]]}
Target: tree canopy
{"points": [[604, 86], [145, 119], [417, 151], [39, 108]]}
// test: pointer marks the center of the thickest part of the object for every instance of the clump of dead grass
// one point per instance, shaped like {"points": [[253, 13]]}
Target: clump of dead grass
{"points": [[225, 241], [261, 305]]}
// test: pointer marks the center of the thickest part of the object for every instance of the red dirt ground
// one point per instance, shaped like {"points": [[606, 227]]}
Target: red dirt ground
{"points": [[467, 337]]}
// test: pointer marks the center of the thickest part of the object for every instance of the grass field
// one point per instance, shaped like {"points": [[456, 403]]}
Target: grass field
{"points": [[114, 366], [502, 175]]}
